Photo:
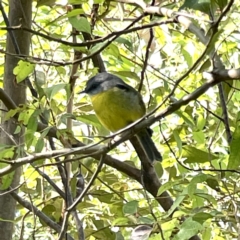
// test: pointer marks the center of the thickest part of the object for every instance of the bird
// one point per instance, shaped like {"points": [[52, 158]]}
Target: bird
{"points": [[116, 105], [80, 185]]}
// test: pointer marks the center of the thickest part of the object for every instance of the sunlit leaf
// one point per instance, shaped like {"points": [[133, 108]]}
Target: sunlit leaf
{"points": [[80, 23], [177, 201], [165, 187], [188, 229], [195, 155], [22, 70], [51, 91], [6, 180]]}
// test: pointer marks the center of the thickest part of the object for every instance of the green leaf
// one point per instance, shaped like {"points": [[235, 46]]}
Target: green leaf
{"points": [[6, 152], [105, 233], [48, 210], [24, 117], [18, 130], [120, 221], [63, 118], [74, 2], [145, 220], [188, 229], [119, 236], [113, 50], [28, 190], [227, 87], [97, 47], [166, 186], [22, 70], [75, 12], [199, 137], [201, 121], [200, 178], [11, 113], [90, 119], [206, 65], [213, 183], [234, 158], [45, 131], [124, 41], [49, 3], [159, 169], [104, 196], [177, 202], [187, 119], [201, 217], [6, 180], [195, 155], [51, 91], [29, 138], [130, 207], [207, 233], [80, 23], [177, 139], [187, 57], [155, 237], [32, 121], [40, 144], [221, 3], [200, 5], [109, 178]]}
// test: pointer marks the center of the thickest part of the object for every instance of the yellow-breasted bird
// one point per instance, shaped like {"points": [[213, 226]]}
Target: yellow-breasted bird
{"points": [[117, 105]]}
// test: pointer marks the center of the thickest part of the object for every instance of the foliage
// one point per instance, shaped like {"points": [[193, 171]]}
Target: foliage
{"points": [[200, 167]]}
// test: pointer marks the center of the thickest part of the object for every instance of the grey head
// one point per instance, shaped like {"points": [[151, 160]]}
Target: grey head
{"points": [[103, 82]]}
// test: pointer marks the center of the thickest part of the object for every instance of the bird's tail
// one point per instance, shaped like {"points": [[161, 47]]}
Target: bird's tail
{"points": [[148, 145]]}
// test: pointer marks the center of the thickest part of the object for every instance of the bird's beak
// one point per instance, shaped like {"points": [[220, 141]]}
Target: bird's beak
{"points": [[82, 92]]}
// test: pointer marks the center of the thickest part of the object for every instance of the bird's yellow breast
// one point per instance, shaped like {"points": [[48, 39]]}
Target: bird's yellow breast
{"points": [[117, 108]]}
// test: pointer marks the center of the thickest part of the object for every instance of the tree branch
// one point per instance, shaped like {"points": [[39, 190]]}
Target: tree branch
{"points": [[38, 213]]}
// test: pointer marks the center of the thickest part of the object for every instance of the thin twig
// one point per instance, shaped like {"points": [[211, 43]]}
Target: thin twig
{"points": [[94, 176], [38, 213]]}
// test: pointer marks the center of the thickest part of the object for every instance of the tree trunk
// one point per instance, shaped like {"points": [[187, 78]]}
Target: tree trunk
{"points": [[20, 13]]}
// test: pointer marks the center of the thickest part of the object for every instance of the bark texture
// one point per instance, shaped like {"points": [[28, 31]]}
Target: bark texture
{"points": [[20, 13]]}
